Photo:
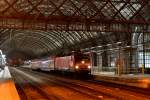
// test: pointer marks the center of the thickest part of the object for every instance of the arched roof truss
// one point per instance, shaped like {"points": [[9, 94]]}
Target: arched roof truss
{"points": [[54, 24]]}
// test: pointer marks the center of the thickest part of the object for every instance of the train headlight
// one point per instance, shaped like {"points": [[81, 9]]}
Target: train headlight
{"points": [[82, 62], [89, 67], [77, 67]]}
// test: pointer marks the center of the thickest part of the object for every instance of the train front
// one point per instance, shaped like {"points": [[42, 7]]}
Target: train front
{"points": [[82, 63]]}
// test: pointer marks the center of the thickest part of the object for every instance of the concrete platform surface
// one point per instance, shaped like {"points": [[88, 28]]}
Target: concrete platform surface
{"points": [[141, 81]]}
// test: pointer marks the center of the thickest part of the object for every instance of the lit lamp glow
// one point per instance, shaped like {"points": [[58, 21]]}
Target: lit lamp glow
{"points": [[82, 62], [77, 67], [89, 67]]}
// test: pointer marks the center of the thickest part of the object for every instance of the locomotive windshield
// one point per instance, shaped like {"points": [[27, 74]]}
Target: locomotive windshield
{"points": [[82, 57], [85, 57]]}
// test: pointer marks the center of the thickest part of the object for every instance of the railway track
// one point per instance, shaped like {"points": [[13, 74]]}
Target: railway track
{"points": [[93, 89], [91, 93], [114, 91], [96, 95], [98, 89], [137, 90], [19, 87], [144, 91], [35, 87]]}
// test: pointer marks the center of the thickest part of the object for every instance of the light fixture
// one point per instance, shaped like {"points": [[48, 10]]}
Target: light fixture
{"points": [[99, 46], [89, 67], [108, 44], [77, 67], [118, 42], [83, 62]]}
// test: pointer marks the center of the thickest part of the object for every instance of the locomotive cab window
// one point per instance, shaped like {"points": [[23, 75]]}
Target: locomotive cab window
{"points": [[83, 58]]}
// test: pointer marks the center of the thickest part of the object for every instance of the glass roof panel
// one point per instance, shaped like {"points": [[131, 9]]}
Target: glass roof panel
{"points": [[128, 11], [34, 2], [87, 34], [70, 39], [136, 6], [78, 3], [90, 35], [94, 34], [87, 10], [109, 10], [118, 5], [68, 8], [57, 2], [55, 37], [79, 36], [23, 6], [67, 37], [3, 5], [84, 35], [99, 3], [45, 7], [59, 36], [75, 36]]}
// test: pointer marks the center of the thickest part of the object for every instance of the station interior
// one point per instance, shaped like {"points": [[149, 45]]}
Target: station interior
{"points": [[115, 33]]}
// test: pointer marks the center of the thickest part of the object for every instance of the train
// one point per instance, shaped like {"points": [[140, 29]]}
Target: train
{"points": [[76, 63], [46, 64]]}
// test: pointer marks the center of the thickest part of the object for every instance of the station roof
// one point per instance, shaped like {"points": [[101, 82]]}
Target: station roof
{"points": [[46, 26]]}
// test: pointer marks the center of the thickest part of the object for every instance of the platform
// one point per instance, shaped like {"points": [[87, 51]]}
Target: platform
{"points": [[141, 81], [5, 74], [7, 87]]}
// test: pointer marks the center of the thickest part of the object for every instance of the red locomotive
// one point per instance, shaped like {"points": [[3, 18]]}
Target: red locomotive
{"points": [[76, 62]]}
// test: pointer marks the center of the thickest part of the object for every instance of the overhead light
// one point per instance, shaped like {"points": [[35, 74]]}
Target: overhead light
{"points": [[99, 46], [128, 46], [118, 42], [103, 32], [92, 47], [108, 44]]}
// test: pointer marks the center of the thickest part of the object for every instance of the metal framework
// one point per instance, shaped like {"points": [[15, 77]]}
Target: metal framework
{"points": [[59, 23]]}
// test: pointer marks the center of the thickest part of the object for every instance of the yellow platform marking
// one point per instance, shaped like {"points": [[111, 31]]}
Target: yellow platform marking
{"points": [[8, 91]]}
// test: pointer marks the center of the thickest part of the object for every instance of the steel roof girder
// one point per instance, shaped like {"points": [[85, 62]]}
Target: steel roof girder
{"points": [[39, 38]]}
